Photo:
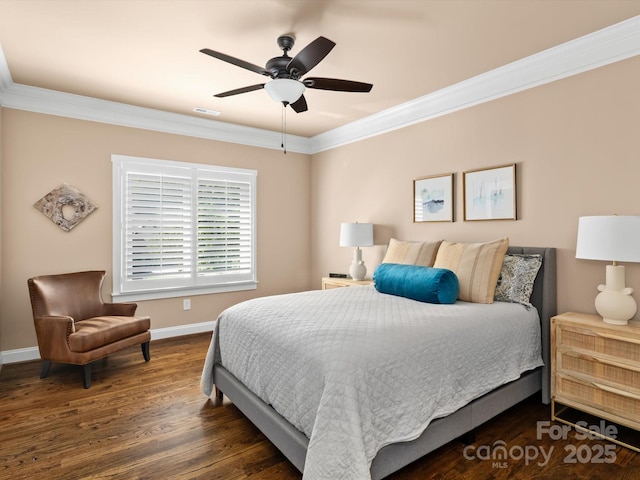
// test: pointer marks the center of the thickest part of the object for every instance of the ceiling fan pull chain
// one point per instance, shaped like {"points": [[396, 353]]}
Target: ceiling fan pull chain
{"points": [[283, 145]]}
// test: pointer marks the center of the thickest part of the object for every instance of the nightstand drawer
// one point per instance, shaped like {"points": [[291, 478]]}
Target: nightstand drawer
{"points": [[599, 367], [600, 341], [622, 403]]}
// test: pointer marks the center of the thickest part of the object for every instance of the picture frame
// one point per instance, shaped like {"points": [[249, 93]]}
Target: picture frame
{"points": [[433, 199], [490, 193]]}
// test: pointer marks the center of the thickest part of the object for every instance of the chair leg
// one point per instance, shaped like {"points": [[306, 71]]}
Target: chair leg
{"points": [[86, 375], [44, 370], [145, 351]]}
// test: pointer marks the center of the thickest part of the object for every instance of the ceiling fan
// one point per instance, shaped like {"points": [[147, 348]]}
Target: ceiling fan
{"points": [[286, 85]]}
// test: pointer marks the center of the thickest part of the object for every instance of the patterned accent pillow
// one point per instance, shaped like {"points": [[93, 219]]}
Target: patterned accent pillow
{"points": [[411, 253], [477, 266], [518, 273]]}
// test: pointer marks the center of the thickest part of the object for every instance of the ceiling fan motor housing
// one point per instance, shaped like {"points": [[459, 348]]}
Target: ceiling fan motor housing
{"points": [[278, 65]]}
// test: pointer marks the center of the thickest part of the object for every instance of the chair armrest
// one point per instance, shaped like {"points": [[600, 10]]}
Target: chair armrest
{"points": [[120, 309], [53, 333]]}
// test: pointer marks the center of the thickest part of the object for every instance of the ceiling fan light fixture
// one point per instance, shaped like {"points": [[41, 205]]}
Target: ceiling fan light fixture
{"points": [[284, 90]]}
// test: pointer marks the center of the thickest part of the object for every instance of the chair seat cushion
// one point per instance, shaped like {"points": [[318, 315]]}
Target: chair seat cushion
{"points": [[96, 332]]}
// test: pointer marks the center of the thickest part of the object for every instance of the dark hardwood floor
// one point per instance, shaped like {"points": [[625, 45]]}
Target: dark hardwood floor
{"points": [[151, 421]]}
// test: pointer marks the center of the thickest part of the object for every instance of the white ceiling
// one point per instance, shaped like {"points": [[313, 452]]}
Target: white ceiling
{"points": [[146, 53]]}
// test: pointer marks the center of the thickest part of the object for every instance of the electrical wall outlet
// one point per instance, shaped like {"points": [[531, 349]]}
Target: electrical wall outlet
{"points": [[186, 304]]}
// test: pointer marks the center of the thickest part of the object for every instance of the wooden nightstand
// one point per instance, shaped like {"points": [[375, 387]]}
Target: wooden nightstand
{"points": [[329, 282], [595, 374]]}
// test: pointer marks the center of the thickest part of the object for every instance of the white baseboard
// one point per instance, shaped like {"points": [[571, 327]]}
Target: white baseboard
{"points": [[20, 355], [32, 353], [179, 331]]}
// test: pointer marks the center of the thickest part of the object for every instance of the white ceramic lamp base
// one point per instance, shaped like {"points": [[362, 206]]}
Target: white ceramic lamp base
{"points": [[614, 302], [357, 269]]}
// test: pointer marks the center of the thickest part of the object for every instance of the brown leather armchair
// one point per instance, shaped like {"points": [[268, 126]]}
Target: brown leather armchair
{"points": [[75, 326]]}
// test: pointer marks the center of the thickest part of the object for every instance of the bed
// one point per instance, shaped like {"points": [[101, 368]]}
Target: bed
{"points": [[291, 420]]}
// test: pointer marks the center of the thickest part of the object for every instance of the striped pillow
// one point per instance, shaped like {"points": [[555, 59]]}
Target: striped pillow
{"points": [[411, 253], [477, 266]]}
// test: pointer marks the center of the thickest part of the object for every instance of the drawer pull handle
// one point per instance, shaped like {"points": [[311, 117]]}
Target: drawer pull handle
{"points": [[617, 391], [618, 337], [615, 364], [598, 359]]}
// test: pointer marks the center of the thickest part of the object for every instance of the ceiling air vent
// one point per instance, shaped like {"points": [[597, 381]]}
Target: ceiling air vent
{"points": [[206, 111]]}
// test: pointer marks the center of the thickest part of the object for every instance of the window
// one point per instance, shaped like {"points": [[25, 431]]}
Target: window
{"points": [[181, 228]]}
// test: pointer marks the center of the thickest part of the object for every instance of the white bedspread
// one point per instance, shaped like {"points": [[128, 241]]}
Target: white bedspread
{"points": [[355, 369]]}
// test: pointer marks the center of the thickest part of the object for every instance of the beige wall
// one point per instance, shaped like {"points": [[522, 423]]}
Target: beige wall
{"points": [[575, 143], [42, 151]]}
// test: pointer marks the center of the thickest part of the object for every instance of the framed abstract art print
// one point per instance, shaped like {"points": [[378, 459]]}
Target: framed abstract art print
{"points": [[490, 193], [433, 199]]}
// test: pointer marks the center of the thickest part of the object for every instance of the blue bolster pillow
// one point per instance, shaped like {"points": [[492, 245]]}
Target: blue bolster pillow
{"points": [[425, 284]]}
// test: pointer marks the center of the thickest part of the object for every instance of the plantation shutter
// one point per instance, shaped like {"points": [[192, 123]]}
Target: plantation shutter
{"points": [[224, 228], [158, 238], [181, 226]]}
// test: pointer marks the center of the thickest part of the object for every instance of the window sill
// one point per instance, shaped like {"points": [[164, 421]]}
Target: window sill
{"points": [[181, 292]]}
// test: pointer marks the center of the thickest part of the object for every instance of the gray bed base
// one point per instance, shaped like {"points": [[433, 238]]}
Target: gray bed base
{"points": [[293, 443]]}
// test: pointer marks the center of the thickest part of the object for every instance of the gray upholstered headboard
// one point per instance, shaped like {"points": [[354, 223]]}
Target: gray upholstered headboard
{"points": [[544, 298]]}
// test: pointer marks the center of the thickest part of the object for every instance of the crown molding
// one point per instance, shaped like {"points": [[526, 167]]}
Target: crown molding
{"points": [[51, 102], [5, 75], [603, 47]]}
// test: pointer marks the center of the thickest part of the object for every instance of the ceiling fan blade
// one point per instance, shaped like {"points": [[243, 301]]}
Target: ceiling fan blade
{"points": [[310, 56], [236, 61], [240, 90], [299, 105], [337, 85]]}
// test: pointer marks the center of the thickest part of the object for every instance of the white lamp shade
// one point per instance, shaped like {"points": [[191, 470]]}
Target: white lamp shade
{"points": [[284, 89], [356, 235], [609, 238]]}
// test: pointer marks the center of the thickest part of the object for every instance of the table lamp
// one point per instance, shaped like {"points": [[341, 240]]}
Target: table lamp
{"points": [[616, 239], [356, 235]]}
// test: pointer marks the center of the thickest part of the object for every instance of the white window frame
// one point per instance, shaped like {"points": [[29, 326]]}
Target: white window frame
{"points": [[188, 281]]}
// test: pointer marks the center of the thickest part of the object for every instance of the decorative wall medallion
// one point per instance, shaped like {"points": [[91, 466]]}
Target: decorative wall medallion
{"points": [[65, 206]]}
